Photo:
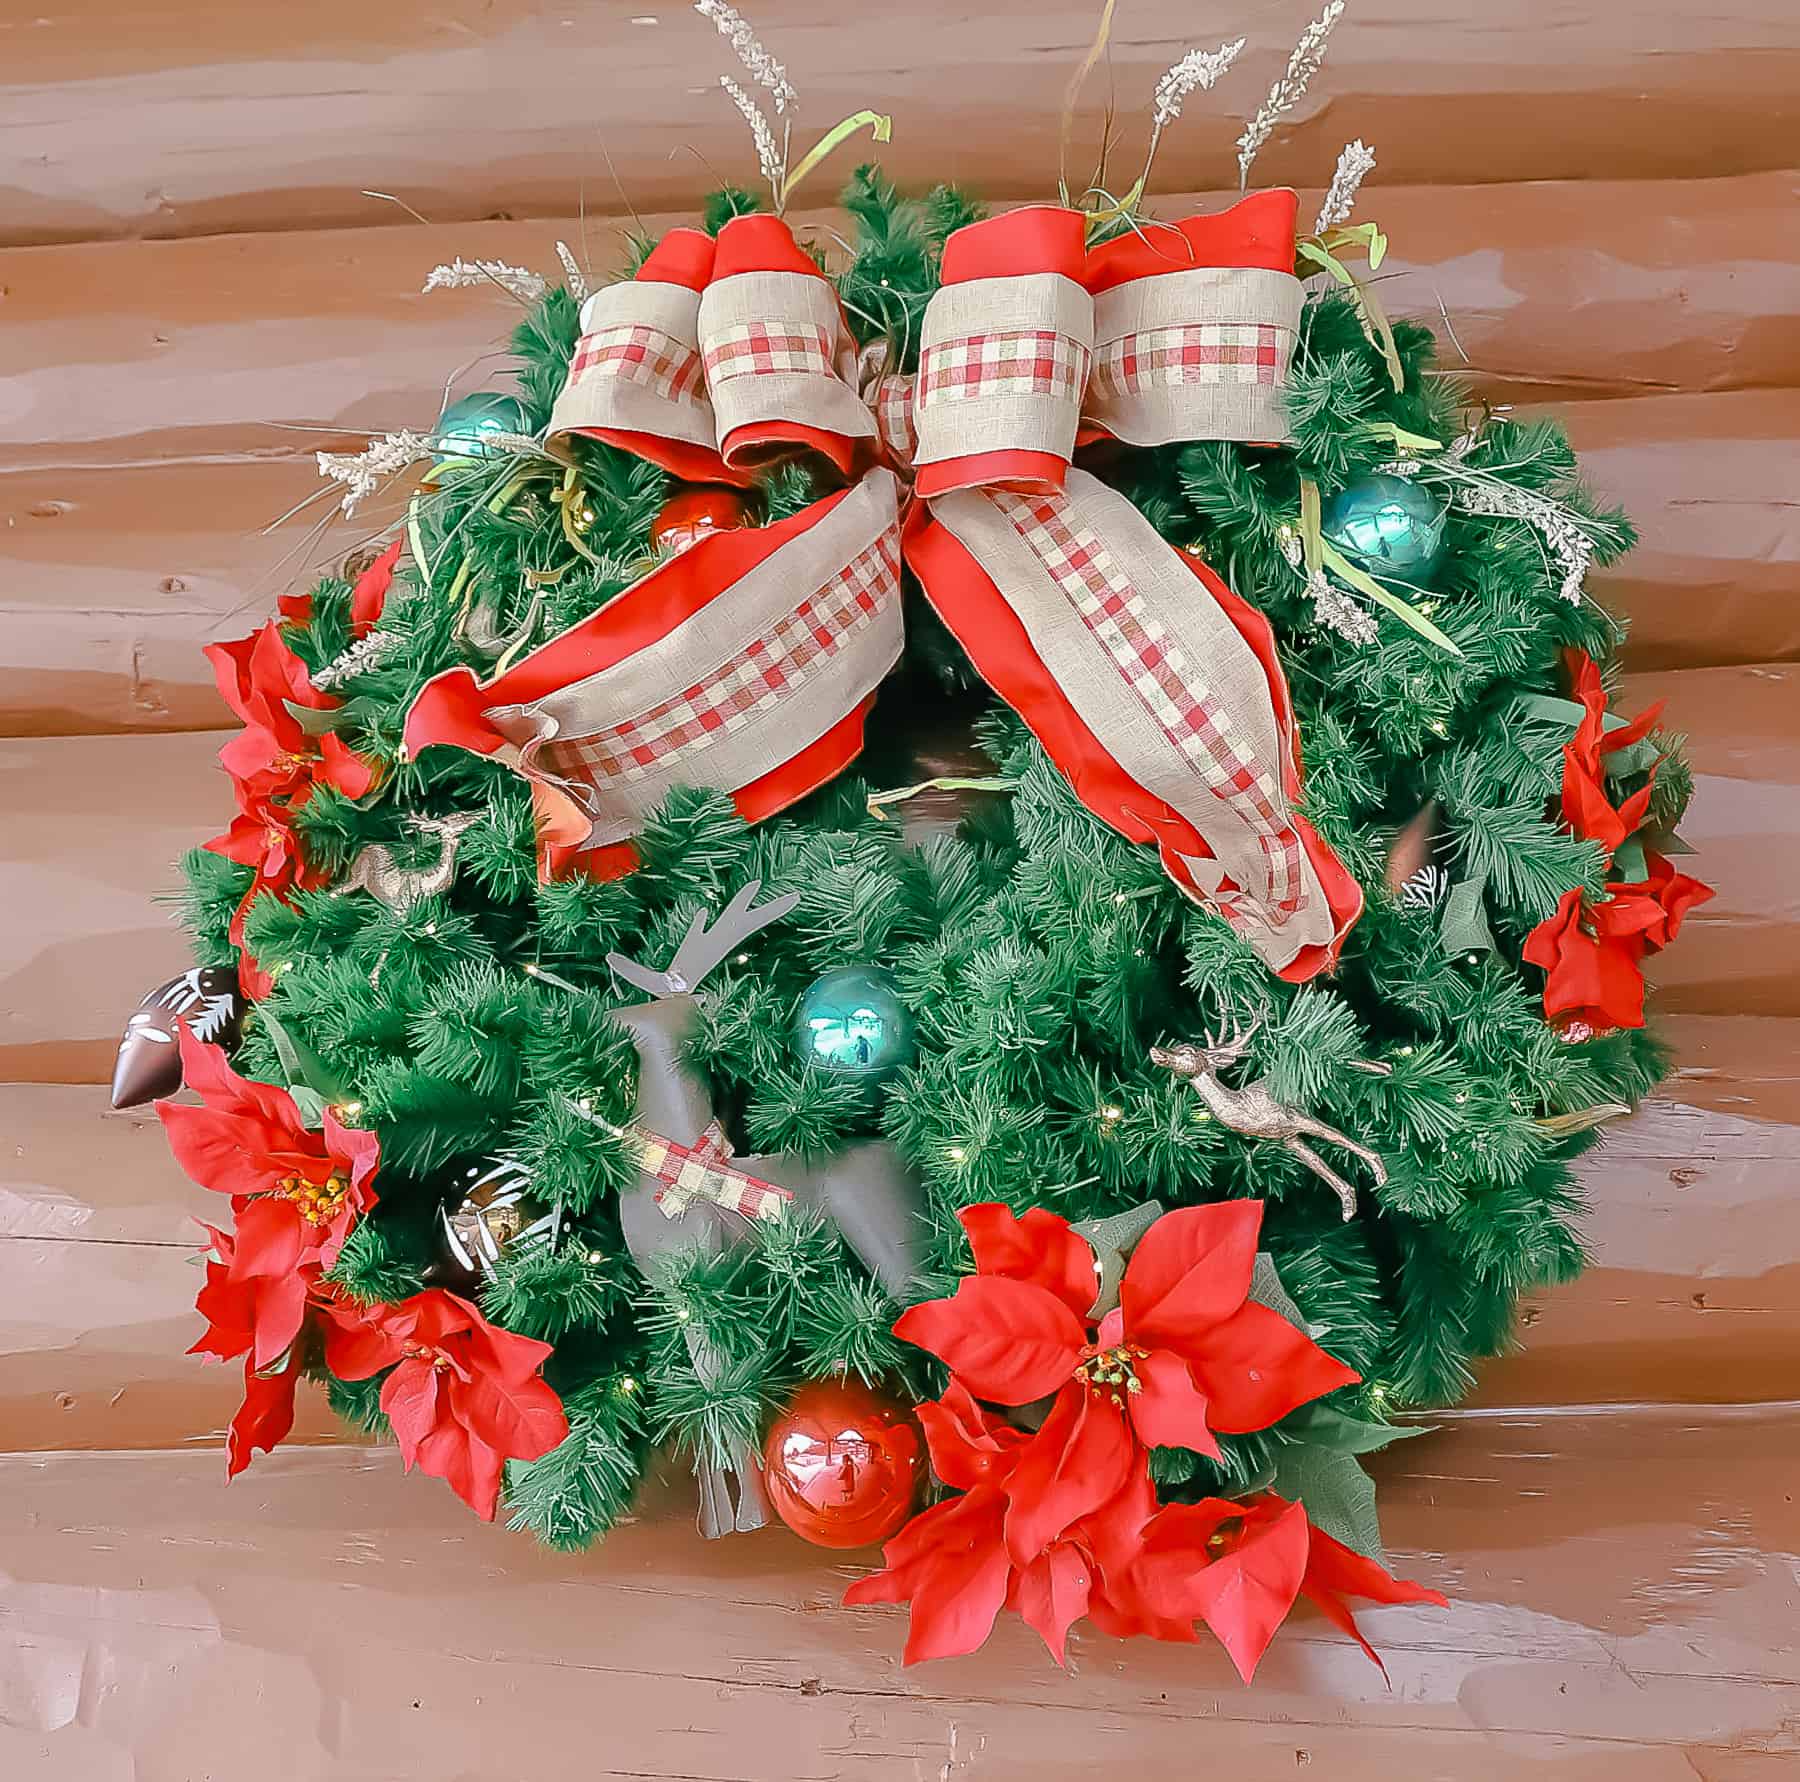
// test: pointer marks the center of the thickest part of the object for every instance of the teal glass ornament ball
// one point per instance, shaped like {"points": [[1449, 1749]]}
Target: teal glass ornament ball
{"points": [[1385, 523], [852, 1021], [463, 427]]}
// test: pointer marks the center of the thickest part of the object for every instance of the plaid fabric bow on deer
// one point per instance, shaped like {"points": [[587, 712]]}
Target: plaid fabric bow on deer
{"points": [[749, 662]]}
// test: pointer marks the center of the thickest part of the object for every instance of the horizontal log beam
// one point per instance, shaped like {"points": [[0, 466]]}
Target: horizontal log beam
{"points": [[189, 120], [1691, 1296], [1740, 953], [131, 351], [1620, 1612], [97, 823], [111, 583], [1709, 482]]}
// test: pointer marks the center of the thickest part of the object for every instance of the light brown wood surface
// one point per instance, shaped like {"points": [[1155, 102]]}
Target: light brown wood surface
{"points": [[1596, 207]]}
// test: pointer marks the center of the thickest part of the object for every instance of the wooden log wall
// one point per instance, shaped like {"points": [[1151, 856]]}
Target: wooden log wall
{"points": [[1598, 207]]}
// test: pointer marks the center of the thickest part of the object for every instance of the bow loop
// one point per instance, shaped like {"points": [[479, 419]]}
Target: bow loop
{"points": [[1004, 356], [773, 344], [1156, 691]]}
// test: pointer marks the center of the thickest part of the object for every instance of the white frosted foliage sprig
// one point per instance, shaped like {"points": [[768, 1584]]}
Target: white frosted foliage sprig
{"points": [[1337, 611], [459, 274], [1196, 72], [362, 473], [768, 151], [1569, 546], [1356, 161], [762, 67], [573, 276], [1289, 89], [366, 653]]}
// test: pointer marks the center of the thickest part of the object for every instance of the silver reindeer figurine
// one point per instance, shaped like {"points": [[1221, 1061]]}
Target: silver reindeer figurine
{"points": [[1256, 1113]]}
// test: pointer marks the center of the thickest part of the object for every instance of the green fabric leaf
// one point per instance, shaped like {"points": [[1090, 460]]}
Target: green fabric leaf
{"points": [[1463, 927], [1339, 1496]]}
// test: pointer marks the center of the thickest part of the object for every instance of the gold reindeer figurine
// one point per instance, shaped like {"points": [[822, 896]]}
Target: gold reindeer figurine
{"points": [[1256, 1113]]}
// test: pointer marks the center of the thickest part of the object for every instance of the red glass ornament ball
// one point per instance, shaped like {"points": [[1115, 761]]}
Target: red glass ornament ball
{"points": [[843, 1463], [693, 514]]}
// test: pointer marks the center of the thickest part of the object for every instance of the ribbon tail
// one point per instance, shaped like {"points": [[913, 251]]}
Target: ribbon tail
{"points": [[1154, 689]]}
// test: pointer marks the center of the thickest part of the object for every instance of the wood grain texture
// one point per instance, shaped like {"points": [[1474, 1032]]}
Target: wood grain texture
{"points": [[83, 861], [126, 352], [1739, 954], [98, 1246], [1709, 481], [189, 118], [111, 583], [94, 828], [1692, 1296], [327, 1618]]}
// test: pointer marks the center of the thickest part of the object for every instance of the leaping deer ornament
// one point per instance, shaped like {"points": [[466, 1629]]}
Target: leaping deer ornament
{"points": [[1254, 1111]]}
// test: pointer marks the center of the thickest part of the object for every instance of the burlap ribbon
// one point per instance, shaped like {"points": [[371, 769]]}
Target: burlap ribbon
{"points": [[1156, 690]]}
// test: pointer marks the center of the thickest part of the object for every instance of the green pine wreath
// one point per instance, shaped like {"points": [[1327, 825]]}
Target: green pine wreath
{"points": [[414, 977]]}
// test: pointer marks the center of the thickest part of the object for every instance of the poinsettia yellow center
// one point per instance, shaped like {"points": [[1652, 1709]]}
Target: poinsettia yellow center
{"points": [[319, 1202], [419, 1352], [1112, 1373]]}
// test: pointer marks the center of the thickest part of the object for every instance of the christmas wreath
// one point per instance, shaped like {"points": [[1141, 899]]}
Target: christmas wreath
{"points": [[781, 912]]}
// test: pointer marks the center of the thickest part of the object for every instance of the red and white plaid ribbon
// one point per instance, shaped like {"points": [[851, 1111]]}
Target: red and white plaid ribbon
{"points": [[1155, 690], [700, 1171]]}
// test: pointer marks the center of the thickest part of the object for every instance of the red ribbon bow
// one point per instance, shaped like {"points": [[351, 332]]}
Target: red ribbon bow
{"points": [[749, 662]]}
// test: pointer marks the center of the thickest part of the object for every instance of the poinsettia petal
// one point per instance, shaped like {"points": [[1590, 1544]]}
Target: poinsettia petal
{"points": [[1007, 1341], [520, 1420], [473, 1470], [1246, 1595], [950, 1563], [215, 1150], [1586, 808], [503, 1353], [1256, 1367], [278, 678], [1587, 977], [342, 769], [1170, 1411], [255, 759], [1038, 1246], [1334, 1571], [231, 670], [271, 1238], [207, 1071], [1191, 1270], [409, 1396], [1051, 1595], [369, 595], [265, 1416], [1082, 1456], [229, 1308], [361, 1341], [969, 1446]]}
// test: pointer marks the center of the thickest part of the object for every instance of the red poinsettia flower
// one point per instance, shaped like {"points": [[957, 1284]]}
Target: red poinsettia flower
{"points": [[262, 838], [368, 596], [1592, 951], [1186, 1352], [274, 757], [464, 1396], [295, 1194], [1240, 1567], [953, 1564], [1587, 807]]}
